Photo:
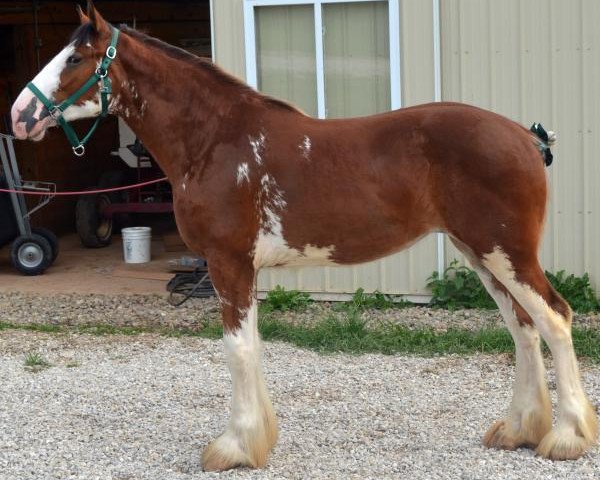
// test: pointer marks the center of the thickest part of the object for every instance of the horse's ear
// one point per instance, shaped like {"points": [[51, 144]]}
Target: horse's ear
{"points": [[100, 25], [83, 18]]}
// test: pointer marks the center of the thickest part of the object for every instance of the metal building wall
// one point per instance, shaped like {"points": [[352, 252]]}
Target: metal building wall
{"points": [[534, 60], [538, 60]]}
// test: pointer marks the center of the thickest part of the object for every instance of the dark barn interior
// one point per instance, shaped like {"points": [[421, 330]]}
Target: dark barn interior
{"points": [[31, 33]]}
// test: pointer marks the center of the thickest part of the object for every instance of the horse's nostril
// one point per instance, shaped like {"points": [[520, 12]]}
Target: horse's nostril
{"points": [[44, 113], [30, 123], [27, 113]]}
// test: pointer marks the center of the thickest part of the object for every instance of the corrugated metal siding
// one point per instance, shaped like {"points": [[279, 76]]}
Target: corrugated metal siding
{"points": [[534, 60], [538, 61]]}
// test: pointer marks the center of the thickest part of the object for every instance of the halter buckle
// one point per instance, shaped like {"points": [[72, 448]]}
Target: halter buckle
{"points": [[79, 150], [55, 112], [111, 52], [101, 72]]}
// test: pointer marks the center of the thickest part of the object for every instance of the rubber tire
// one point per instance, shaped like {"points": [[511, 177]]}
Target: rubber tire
{"points": [[111, 179], [52, 240], [45, 251], [88, 221]]}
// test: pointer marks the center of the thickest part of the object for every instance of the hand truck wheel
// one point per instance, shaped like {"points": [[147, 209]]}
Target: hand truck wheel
{"points": [[52, 240], [31, 254]]}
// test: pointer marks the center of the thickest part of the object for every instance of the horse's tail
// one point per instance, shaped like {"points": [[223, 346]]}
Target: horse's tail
{"points": [[545, 140]]}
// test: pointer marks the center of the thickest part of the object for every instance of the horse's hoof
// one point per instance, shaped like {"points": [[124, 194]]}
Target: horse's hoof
{"points": [[498, 436], [534, 426], [571, 441], [239, 449], [562, 445], [224, 454]]}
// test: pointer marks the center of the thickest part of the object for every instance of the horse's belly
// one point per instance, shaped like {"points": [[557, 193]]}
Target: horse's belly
{"points": [[336, 246]]}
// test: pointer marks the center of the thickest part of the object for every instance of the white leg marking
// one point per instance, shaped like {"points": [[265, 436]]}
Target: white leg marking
{"points": [[530, 413], [252, 428], [576, 420]]}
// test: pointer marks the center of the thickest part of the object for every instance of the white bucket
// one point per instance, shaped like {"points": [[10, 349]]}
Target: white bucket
{"points": [[136, 244]]}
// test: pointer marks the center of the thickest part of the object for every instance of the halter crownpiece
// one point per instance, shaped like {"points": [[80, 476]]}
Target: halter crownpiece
{"points": [[99, 75]]}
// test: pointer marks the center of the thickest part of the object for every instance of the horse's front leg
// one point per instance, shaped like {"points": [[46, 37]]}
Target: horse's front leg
{"points": [[252, 428]]}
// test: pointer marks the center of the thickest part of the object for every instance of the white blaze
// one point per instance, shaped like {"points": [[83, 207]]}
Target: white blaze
{"points": [[48, 82], [48, 79]]}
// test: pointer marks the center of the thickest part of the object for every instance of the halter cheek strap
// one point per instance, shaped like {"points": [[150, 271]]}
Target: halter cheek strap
{"points": [[100, 75]]}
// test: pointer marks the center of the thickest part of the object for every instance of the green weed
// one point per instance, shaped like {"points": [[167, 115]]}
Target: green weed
{"points": [[459, 287], [280, 299], [575, 290], [365, 301], [36, 362]]}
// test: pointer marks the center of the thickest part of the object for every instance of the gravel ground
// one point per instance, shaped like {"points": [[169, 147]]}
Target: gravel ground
{"points": [[153, 311], [142, 407]]}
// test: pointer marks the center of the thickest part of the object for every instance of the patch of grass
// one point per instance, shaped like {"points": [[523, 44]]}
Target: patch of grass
{"points": [[36, 362], [365, 301], [350, 334], [72, 364], [36, 327], [280, 299], [106, 329], [459, 287], [575, 290]]}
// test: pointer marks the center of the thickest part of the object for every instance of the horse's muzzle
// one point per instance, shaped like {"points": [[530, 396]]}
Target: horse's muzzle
{"points": [[29, 117]]}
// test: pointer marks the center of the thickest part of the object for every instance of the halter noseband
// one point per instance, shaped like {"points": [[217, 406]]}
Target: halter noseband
{"points": [[100, 75]]}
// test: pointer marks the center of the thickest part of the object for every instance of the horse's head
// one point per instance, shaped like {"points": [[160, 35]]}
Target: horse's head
{"points": [[62, 77]]}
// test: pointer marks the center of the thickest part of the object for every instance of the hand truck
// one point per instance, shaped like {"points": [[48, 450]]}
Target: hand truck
{"points": [[33, 250]]}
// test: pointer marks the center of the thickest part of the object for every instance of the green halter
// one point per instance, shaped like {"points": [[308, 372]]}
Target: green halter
{"points": [[100, 75]]}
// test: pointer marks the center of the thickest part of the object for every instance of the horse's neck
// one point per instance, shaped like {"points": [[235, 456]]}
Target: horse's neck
{"points": [[172, 106]]}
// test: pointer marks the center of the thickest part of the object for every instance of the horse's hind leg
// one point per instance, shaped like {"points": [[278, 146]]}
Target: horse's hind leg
{"points": [[529, 417], [252, 428], [576, 427]]}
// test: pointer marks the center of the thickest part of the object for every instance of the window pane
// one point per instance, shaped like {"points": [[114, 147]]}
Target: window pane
{"points": [[285, 54], [356, 58]]}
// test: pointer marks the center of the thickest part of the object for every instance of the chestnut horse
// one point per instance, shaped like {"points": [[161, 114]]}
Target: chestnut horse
{"points": [[257, 183]]}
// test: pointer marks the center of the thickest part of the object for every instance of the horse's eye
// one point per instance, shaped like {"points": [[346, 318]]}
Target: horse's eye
{"points": [[73, 60]]}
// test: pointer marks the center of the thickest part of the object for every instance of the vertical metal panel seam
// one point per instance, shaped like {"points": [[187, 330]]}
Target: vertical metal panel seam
{"points": [[553, 116], [520, 53], [491, 57], [585, 249]]}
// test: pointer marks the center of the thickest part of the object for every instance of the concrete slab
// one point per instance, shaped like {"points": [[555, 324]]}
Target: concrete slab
{"points": [[84, 270]]}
